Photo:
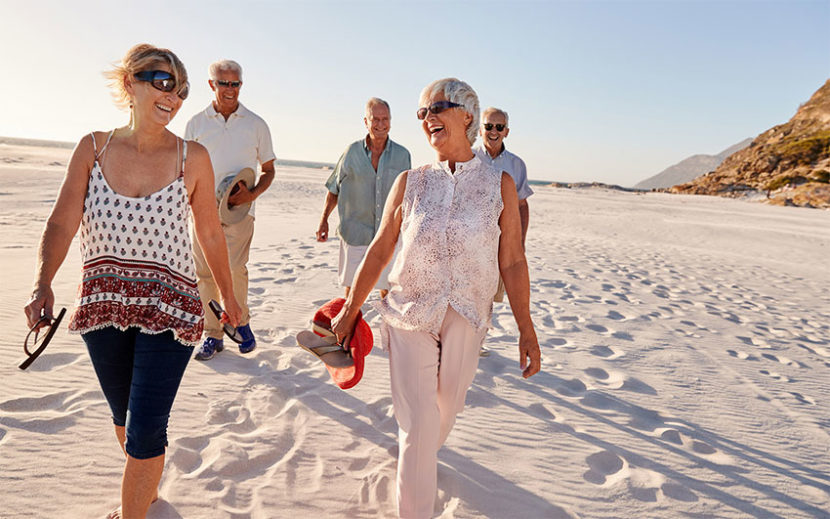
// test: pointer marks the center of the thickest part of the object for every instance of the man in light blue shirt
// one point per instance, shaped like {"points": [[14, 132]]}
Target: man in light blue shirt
{"points": [[493, 131], [358, 187]]}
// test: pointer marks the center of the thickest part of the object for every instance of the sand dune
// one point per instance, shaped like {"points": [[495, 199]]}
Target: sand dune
{"points": [[686, 354]]}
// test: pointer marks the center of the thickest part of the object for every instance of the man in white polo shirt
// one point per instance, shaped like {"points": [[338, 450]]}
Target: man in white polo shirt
{"points": [[236, 138]]}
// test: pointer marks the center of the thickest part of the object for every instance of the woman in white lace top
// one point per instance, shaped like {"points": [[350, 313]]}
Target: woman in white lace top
{"points": [[459, 226]]}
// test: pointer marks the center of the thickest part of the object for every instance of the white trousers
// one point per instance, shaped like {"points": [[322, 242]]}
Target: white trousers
{"points": [[350, 258], [429, 380]]}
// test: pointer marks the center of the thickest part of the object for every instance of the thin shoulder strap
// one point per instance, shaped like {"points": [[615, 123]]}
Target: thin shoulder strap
{"points": [[184, 155], [99, 154]]}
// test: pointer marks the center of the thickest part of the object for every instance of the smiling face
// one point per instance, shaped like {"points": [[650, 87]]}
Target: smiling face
{"points": [[150, 103], [227, 97], [379, 122], [447, 131], [494, 139]]}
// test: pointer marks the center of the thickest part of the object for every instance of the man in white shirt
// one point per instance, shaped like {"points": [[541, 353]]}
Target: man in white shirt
{"points": [[493, 131], [236, 138]]}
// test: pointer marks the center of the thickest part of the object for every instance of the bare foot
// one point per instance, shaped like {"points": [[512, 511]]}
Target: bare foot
{"points": [[116, 514]]}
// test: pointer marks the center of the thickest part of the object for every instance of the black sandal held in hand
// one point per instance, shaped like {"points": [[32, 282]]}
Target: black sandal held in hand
{"points": [[53, 325]]}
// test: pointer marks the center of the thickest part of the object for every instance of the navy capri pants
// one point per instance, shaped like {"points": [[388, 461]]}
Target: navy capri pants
{"points": [[139, 374]]}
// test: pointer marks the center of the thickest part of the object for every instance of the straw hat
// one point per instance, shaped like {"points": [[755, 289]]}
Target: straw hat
{"points": [[233, 214]]}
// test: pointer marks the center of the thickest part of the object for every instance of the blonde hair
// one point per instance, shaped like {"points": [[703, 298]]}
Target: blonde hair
{"points": [[141, 57]]}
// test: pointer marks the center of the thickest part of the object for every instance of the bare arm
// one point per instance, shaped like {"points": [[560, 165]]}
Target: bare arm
{"points": [[200, 187], [524, 216], [513, 268], [323, 228], [378, 255], [60, 228]]}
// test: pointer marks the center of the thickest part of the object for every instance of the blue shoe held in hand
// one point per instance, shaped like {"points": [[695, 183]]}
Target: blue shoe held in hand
{"points": [[248, 343], [209, 348]]}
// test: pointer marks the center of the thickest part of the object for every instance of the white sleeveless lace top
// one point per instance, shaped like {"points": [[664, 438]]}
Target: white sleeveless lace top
{"points": [[449, 247]]}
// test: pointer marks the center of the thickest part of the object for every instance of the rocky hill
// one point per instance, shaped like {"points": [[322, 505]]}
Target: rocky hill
{"points": [[690, 168], [789, 162]]}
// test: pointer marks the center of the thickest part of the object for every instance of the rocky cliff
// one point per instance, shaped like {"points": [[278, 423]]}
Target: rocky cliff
{"points": [[689, 168], [789, 162]]}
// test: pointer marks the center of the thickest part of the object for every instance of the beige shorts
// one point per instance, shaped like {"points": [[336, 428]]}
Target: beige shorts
{"points": [[350, 258]]}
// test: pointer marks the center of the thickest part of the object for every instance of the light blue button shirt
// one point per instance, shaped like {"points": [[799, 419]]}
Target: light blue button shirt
{"points": [[512, 164], [361, 192]]}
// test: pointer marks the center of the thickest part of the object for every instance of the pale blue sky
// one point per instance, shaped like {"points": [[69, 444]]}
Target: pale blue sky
{"points": [[612, 91]]}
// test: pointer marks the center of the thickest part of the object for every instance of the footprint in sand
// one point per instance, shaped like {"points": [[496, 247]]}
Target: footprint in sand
{"points": [[742, 355], [606, 352], [782, 360], [776, 376], [804, 399], [603, 467]]}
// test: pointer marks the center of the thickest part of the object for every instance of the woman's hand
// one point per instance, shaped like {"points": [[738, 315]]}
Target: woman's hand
{"points": [[529, 350], [343, 326], [39, 304]]}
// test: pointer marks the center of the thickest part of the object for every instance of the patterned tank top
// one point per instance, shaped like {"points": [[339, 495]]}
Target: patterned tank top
{"points": [[449, 247], [137, 260]]}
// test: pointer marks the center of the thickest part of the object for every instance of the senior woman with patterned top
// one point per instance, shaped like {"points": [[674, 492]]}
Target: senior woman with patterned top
{"points": [[132, 191], [458, 221]]}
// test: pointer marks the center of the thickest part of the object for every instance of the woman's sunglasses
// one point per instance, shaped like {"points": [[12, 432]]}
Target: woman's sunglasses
{"points": [[436, 108], [490, 126], [164, 81], [40, 340], [232, 333]]}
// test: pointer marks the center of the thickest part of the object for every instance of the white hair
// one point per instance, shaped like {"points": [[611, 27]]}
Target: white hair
{"points": [[373, 102], [494, 110], [228, 65], [459, 92]]}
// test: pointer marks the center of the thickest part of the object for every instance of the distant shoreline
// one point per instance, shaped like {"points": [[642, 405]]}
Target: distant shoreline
{"points": [[18, 141]]}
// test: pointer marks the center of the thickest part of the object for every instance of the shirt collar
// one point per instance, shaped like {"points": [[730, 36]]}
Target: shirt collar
{"points": [[490, 157], [460, 167], [241, 111], [366, 145]]}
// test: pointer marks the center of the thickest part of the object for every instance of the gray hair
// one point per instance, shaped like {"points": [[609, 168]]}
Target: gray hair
{"points": [[457, 91], [373, 102], [494, 110], [228, 65]]}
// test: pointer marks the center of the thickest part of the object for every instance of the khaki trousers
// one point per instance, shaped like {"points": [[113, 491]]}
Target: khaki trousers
{"points": [[238, 236], [429, 380]]}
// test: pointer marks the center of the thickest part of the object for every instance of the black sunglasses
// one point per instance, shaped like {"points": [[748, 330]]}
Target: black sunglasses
{"points": [[164, 81], [436, 108], [232, 333], [41, 341], [232, 84], [499, 127]]}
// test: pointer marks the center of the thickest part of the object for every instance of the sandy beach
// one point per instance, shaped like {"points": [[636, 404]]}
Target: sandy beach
{"points": [[686, 359]]}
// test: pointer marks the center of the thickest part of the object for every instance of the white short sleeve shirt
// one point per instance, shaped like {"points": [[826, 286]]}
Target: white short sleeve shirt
{"points": [[243, 141]]}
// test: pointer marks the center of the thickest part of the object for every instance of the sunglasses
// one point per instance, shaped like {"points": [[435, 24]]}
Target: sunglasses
{"points": [[232, 333], [40, 340], [164, 81], [499, 127], [232, 84], [436, 108]]}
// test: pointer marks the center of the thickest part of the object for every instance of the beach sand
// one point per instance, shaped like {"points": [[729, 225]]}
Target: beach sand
{"points": [[686, 359]]}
